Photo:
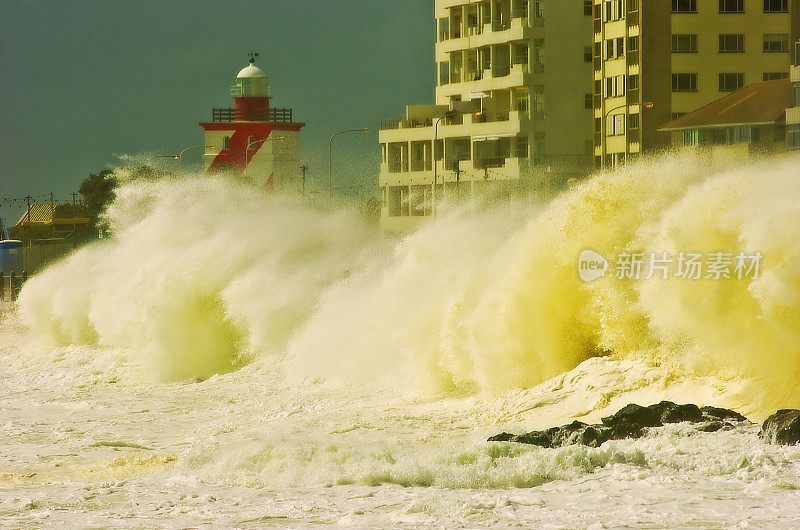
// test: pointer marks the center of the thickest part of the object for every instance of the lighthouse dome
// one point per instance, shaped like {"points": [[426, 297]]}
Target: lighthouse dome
{"points": [[251, 82], [251, 71]]}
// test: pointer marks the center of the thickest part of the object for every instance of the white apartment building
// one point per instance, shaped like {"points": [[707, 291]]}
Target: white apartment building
{"points": [[793, 113], [513, 107]]}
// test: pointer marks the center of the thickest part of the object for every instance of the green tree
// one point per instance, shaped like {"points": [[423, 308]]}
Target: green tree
{"points": [[98, 192]]}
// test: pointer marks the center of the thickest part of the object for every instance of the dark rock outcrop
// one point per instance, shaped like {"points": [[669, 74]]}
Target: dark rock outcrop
{"points": [[783, 427], [631, 421]]}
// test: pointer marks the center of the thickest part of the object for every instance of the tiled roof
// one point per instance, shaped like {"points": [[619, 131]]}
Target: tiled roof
{"points": [[39, 213], [43, 214], [763, 102]]}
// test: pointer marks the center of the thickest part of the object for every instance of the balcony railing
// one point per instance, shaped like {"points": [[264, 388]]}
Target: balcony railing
{"points": [[491, 162], [501, 25], [271, 115], [390, 124], [489, 117], [563, 161], [501, 71]]}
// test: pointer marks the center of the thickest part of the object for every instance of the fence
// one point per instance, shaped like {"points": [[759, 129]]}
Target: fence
{"points": [[19, 263], [10, 285]]}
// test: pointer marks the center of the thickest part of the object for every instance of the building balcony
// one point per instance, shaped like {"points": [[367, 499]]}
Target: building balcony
{"points": [[497, 32], [793, 115]]}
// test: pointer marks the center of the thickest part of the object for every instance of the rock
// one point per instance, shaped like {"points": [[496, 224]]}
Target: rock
{"points": [[540, 438], [718, 414], [631, 421], [714, 426], [502, 437], [783, 427], [681, 413], [634, 415], [594, 436]]}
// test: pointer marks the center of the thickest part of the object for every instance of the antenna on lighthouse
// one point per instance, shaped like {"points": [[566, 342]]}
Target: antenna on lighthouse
{"points": [[253, 56]]}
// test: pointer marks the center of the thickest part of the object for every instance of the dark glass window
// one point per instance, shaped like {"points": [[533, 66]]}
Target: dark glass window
{"points": [[731, 6], [731, 43], [730, 82], [684, 6], [776, 6], [776, 42], [684, 82], [684, 43]]}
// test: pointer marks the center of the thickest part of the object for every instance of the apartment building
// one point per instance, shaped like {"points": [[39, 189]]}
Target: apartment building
{"points": [[656, 60], [513, 106], [793, 113]]}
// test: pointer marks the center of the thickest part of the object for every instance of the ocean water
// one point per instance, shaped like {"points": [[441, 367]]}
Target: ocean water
{"points": [[234, 360]]}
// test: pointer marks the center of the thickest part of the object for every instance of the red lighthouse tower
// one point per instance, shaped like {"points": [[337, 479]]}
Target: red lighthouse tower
{"points": [[255, 140]]}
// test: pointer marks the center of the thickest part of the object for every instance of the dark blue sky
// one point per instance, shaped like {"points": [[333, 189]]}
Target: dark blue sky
{"points": [[81, 81]]}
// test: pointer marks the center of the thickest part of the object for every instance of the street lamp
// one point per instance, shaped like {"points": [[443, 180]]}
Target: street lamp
{"points": [[330, 158], [179, 156], [646, 106], [254, 142]]}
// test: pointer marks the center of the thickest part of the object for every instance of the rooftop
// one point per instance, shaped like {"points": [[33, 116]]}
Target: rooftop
{"points": [[764, 102]]}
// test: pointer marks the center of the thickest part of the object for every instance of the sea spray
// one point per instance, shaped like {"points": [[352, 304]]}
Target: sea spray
{"points": [[205, 274], [201, 275]]}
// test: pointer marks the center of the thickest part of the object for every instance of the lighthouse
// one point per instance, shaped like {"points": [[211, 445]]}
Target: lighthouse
{"points": [[254, 140]]}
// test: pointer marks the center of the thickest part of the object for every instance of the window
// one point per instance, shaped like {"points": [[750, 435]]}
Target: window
{"points": [[676, 115], [633, 43], [684, 43], [538, 99], [587, 54], [588, 101], [615, 125], [684, 82], [684, 6], [633, 5], [598, 86], [776, 42], [733, 43], [776, 6], [587, 7], [522, 103], [772, 76], [793, 137], [797, 54], [615, 86], [615, 48], [731, 6], [730, 82], [226, 142], [633, 121], [250, 141], [740, 134], [691, 137], [444, 73], [797, 94], [538, 9], [598, 123], [633, 82], [614, 10], [444, 29]]}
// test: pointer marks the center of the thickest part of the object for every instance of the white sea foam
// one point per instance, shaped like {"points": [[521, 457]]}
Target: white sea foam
{"points": [[204, 275]]}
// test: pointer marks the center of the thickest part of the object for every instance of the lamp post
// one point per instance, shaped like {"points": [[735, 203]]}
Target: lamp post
{"points": [[330, 158], [646, 106], [254, 142], [447, 114]]}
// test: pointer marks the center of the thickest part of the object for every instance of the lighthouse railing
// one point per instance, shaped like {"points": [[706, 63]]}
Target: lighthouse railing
{"points": [[283, 115]]}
